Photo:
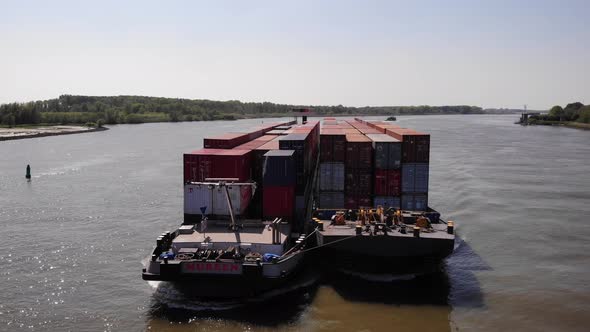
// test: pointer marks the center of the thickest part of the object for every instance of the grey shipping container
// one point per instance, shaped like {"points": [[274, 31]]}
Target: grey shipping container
{"points": [[414, 202], [415, 178], [387, 201], [388, 151], [279, 168], [331, 200], [331, 176], [214, 200]]}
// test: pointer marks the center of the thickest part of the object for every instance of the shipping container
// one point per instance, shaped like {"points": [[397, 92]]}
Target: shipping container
{"points": [[415, 202], [331, 200], [332, 145], [358, 181], [351, 130], [415, 178], [332, 176], [301, 144], [278, 202], [225, 141], [369, 130], [217, 163], [388, 151], [214, 200], [387, 201], [359, 151], [258, 158], [255, 143], [387, 182], [279, 168], [415, 145], [357, 201]]}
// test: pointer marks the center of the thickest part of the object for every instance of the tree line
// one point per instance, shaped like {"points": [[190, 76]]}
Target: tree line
{"points": [[573, 112], [70, 109]]}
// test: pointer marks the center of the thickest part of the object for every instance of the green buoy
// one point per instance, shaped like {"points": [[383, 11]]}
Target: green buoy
{"points": [[28, 176]]}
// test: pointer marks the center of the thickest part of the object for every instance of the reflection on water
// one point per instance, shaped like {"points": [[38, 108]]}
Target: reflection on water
{"points": [[337, 301]]}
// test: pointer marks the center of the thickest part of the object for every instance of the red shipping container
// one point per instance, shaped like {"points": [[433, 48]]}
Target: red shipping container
{"points": [[332, 145], [355, 202], [359, 151], [366, 131], [217, 163], [387, 182], [415, 145], [278, 202], [225, 141]]}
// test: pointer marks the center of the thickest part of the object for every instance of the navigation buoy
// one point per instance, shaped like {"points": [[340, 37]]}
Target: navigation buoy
{"points": [[28, 176]]}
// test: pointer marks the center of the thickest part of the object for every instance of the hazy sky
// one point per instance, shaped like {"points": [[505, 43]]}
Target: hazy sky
{"points": [[356, 53]]}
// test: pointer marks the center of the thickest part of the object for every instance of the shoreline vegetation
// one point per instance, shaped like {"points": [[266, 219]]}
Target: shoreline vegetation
{"points": [[97, 111], [573, 115]]}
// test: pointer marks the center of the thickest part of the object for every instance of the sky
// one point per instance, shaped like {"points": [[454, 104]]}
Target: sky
{"points": [[493, 54]]}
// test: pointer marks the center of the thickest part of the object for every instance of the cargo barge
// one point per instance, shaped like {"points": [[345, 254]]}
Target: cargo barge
{"points": [[373, 213], [339, 194], [246, 199]]}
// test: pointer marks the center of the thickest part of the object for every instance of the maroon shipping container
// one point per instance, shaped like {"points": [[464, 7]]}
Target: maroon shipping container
{"points": [[278, 202], [225, 141], [387, 182], [415, 145], [359, 151], [355, 202], [332, 145], [358, 181], [253, 144], [217, 163], [366, 131]]}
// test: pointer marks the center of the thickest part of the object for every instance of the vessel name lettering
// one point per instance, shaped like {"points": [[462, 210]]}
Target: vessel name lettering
{"points": [[211, 267]]}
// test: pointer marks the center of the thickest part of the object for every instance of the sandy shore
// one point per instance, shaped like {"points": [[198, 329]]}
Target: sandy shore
{"points": [[20, 133]]}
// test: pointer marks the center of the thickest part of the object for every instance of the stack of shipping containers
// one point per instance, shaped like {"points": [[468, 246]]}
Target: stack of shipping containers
{"points": [[332, 157], [231, 155], [415, 160], [387, 170], [358, 171], [279, 182], [304, 141]]}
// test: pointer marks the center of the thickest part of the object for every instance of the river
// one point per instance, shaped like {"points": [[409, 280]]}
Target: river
{"points": [[75, 237]]}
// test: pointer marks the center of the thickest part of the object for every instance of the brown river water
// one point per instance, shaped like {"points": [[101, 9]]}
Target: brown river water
{"points": [[73, 239]]}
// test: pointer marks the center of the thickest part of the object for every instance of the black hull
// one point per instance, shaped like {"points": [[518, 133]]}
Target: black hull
{"points": [[384, 254], [220, 287], [334, 259]]}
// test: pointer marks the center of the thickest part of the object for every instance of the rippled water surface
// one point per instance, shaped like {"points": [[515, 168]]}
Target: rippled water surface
{"points": [[74, 238]]}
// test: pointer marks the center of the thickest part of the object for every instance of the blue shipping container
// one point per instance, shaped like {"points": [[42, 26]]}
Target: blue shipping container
{"points": [[387, 201], [279, 168], [414, 202], [415, 177]]}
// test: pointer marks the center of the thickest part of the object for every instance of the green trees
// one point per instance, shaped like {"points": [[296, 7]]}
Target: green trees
{"points": [[584, 116], [572, 112], [556, 112], [72, 109]]}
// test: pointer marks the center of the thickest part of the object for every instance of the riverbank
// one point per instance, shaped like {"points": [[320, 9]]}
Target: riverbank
{"points": [[569, 124], [7, 134]]}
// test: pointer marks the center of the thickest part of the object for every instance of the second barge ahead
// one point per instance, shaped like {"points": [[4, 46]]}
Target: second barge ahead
{"points": [[393, 241]]}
